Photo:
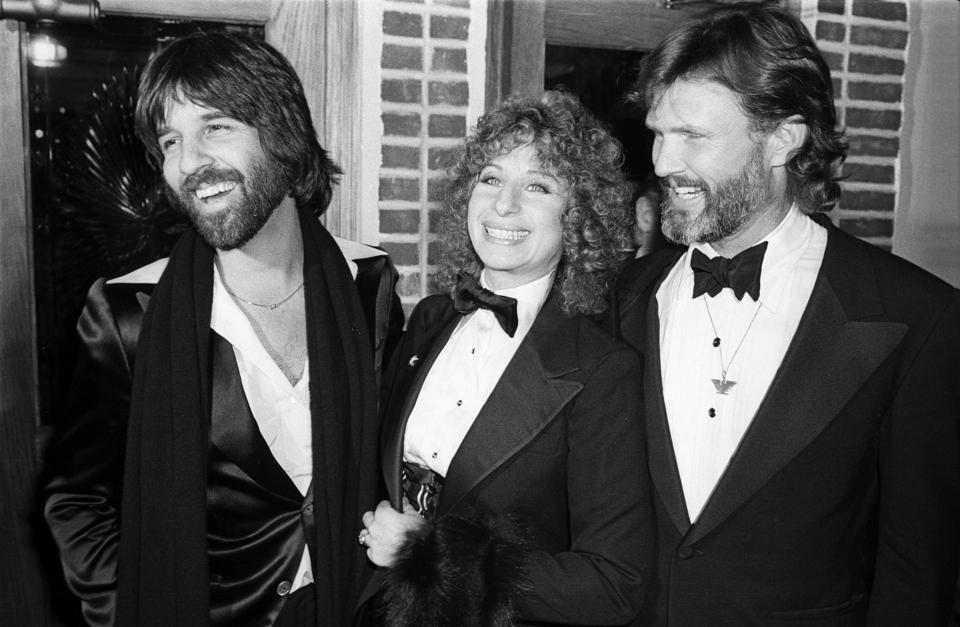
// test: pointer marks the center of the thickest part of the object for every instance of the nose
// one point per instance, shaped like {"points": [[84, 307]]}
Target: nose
{"points": [[666, 157], [193, 156], [508, 200]]}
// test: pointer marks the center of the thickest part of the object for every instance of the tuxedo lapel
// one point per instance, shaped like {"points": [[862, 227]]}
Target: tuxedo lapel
{"points": [[406, 389], [233, 429], [525, 400], [662, 459], [641, 327], [831, 356]]}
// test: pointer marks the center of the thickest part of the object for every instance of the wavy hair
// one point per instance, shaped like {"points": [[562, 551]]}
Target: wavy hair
{"points": [[597, 220], [766, 56], [252, 82]]}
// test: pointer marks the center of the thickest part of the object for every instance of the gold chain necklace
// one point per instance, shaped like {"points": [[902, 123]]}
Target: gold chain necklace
{"points": [[270, 306], [723, 384]]}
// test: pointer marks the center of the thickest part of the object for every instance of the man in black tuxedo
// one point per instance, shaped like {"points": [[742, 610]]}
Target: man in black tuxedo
{"points": [[801, 385], [221, 442]]}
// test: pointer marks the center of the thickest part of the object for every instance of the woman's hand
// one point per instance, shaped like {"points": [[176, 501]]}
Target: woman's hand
{"points": [[386, 531]]}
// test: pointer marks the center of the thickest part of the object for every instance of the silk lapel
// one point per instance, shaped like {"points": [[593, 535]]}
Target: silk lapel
{"points": [[527, 397], [233, 429], [644, 334], [662, 459], [830, 357], [403, 396]]}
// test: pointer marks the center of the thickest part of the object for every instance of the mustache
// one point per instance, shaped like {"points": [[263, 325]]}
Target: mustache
{"points": [[670, 182], [210, 176]]}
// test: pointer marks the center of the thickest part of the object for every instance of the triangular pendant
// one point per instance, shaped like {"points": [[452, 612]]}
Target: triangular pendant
{"points": [[723, 385]]}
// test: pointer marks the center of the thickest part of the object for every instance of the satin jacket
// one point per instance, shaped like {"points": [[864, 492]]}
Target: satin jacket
{"points": [[258, 521]]}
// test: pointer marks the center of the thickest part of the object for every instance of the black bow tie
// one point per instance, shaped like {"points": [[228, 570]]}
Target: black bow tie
{"points": [[469, 295], [741, 274]]}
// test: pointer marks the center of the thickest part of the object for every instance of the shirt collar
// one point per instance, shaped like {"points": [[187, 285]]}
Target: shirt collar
{"points": [[229, 321], [785, 245], [530, 298]]}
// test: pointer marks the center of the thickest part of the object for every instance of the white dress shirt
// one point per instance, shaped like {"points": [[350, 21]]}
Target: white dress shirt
{"points": [[463, 376], [281, 410], [705, 426]]}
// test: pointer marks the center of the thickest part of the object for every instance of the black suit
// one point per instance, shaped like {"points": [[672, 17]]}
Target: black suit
{"points": [[257, 521], [841, 504], [557, 447]]}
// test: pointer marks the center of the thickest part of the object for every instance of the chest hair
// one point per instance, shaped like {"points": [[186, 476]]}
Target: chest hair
{"points": [[283, 333]]}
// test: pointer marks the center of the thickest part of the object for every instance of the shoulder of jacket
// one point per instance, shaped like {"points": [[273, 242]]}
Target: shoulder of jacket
{"points": [[148, 274], [355, 251]]}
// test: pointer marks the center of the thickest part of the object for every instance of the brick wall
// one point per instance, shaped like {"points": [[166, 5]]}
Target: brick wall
{"points": [[864, 41], [425, 97]]}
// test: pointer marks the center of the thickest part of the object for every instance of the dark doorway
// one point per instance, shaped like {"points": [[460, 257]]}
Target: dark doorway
{"points": [[600, 78]]}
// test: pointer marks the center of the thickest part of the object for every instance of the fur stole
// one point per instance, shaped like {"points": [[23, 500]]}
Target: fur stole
{"points": [[462, 572]]}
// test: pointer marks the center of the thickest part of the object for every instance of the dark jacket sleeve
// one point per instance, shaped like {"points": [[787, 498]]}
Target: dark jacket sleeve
{"points": [[918, 541], [602, 578], [84, 463]]}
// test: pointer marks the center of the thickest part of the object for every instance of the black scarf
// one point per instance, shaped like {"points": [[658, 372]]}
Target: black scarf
{"points": [[163, 578]]}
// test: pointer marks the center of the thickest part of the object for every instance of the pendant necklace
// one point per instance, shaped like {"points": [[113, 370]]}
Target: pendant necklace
{"points": [[723, 384], [270, 306]]}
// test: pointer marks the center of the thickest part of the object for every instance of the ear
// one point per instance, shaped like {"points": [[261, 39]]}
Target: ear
{"points": [[786, 140]]}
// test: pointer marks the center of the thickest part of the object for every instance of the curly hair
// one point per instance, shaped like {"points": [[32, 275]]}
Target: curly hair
{"points": [[250, 81], [765, 55], [597, 220]]}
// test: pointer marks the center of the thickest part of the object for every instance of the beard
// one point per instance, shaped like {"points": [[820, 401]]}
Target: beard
{"points": [[260, 192], [727, 206]]}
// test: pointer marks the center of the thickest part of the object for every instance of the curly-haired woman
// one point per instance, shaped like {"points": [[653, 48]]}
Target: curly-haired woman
{"points": [[512, 444]]}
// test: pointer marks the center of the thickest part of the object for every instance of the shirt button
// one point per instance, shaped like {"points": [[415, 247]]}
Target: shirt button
{"points": [[685, 552], [712, 412], [459, 403], [283, 588]]}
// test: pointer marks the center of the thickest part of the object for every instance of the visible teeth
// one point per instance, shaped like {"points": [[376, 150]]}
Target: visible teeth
{"points": [[505, 233], [687, 192], [216, 188]]}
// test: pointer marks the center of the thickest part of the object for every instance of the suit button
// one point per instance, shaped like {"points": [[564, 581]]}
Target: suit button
{"points": [[308, 509], [283, 588], [685, 552]]}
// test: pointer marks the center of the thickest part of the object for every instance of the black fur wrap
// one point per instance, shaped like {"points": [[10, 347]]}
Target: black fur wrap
{"points": [[461, 572]]}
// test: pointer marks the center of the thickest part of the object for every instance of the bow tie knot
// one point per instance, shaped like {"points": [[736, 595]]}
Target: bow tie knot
{"points": [[469, 296], [740, 273]]}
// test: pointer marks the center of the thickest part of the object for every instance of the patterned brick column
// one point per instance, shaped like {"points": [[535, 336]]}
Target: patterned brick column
{"points": [[425, 95], [864, 42]]}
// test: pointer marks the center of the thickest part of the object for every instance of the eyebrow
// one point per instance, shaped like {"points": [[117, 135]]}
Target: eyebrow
{"points": [[206, 117]]}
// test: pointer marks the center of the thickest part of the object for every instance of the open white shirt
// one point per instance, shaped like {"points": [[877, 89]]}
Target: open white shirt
{"points": [[688, 360], [281, 410], [463, 376]]}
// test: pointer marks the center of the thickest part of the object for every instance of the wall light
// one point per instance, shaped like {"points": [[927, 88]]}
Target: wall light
{"points": [[45, 51]]}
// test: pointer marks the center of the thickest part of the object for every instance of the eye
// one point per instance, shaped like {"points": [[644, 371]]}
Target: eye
{"points": [[490, 179], [217, 127], [166, 143]]}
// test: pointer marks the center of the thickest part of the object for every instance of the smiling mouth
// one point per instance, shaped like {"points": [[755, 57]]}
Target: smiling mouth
{"points": [[687, 192], [506, 234], [215, 190]]}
